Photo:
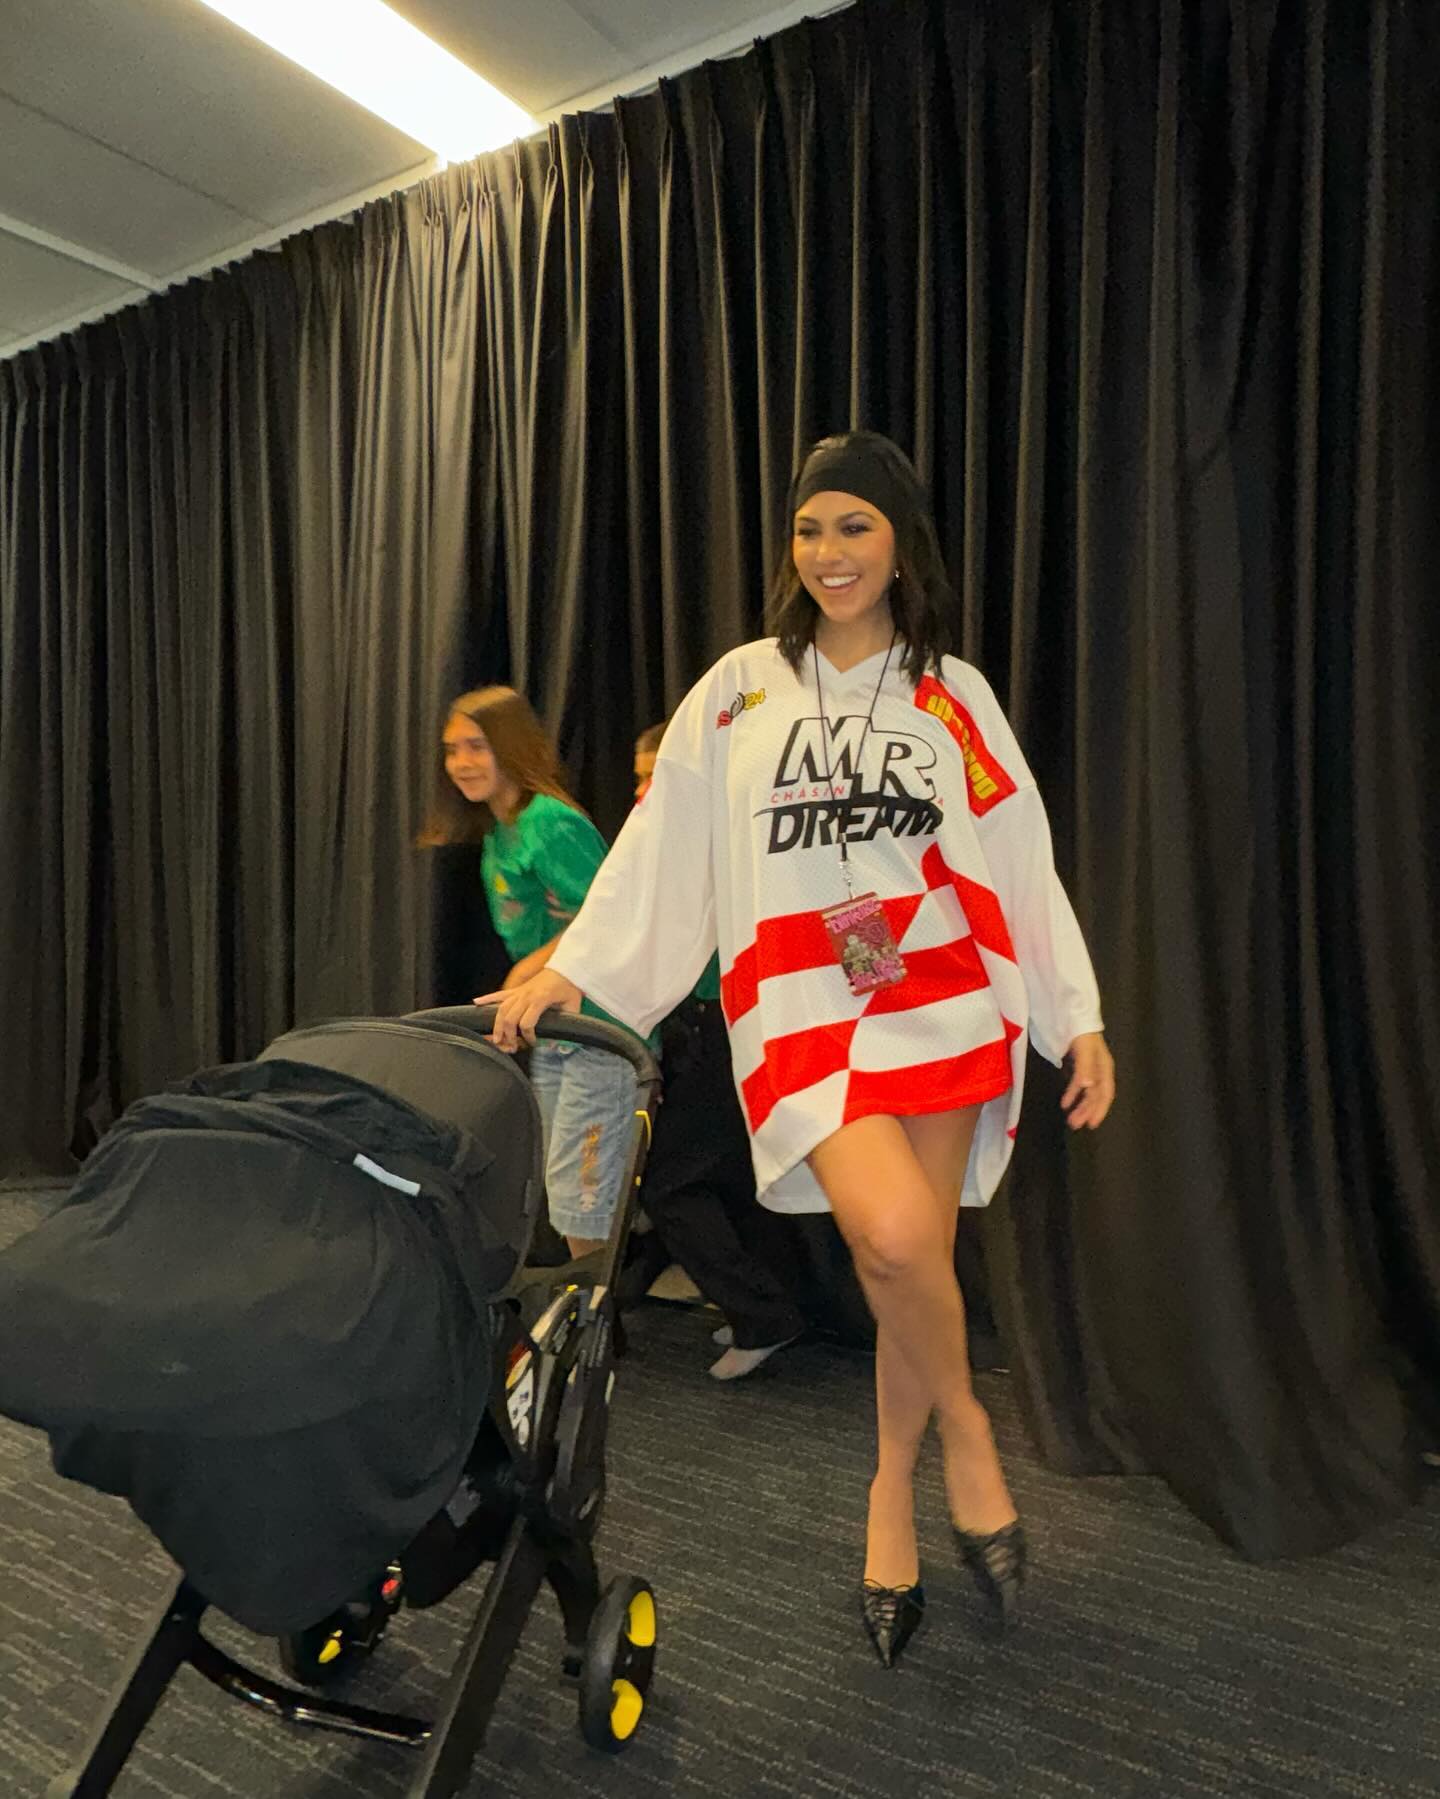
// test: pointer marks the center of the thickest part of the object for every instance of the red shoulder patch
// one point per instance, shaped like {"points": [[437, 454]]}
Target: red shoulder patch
{"points": [[988, 782]]}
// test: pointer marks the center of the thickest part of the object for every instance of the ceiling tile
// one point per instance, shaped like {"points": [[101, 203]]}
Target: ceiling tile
{"points": [[537, 51], [38, 286], [173, 85], [74, 188], [655, 30]]}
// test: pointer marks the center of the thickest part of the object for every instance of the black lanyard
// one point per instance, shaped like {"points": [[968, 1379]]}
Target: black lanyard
{"points": [[859, 754]]}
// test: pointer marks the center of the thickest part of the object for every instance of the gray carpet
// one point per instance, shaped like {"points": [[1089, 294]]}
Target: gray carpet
{"points": [[1152, 1662]]}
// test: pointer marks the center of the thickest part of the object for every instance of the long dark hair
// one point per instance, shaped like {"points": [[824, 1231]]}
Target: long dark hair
{"points": [[521, 746], [922, 601]]}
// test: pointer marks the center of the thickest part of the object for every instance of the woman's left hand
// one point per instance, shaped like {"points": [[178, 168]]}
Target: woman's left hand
{"points": [[519, 1009], [1091, 1092]]}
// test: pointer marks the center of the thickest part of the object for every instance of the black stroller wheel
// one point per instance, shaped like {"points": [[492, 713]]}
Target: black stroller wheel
{"points": [[619, 1664], [330, 1650]]}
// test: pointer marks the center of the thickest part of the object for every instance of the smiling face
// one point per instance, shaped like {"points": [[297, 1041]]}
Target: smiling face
{"points": [[473, 766], [844, 551]]}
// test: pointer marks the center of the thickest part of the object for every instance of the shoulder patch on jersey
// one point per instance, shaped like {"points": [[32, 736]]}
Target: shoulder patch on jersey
{"points": [[988, 781], [743, 702]]}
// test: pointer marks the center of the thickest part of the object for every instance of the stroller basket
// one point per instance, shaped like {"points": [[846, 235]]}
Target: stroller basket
{"points": [[532, 1491]]}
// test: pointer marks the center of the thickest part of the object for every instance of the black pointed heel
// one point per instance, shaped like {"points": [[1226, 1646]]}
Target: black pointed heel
{"points": [[997, 1566], [890, 1615]]}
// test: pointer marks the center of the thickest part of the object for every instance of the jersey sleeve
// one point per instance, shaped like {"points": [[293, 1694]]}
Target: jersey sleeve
{"points": [[1014, 833], [647, 927]]}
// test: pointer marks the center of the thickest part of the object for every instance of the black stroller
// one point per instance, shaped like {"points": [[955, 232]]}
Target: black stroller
{"points": [[532, 1485]]}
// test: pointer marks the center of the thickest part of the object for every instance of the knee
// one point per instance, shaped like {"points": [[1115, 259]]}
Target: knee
{"points": [[888, 1251]]}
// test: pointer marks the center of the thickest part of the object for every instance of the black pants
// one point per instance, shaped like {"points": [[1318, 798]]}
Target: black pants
{"points": [[699, 1190]]}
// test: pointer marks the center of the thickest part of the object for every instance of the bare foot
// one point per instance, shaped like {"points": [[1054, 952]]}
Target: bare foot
{"points": [[892, 1557], [974, 1481]]}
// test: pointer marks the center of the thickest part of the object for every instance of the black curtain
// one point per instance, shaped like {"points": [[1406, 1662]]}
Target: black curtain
{"points": [[236, 542], [1151, 291]]}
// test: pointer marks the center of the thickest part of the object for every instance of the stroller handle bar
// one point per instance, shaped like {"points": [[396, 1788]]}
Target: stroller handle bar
{"points": [[564, 1027]]}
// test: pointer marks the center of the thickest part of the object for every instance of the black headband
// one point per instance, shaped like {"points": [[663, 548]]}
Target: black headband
{"points": [[853, 468]]}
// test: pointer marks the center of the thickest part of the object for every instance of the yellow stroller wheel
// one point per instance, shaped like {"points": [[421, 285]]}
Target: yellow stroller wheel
{"points": [[619, 1664], [329, 1650]]}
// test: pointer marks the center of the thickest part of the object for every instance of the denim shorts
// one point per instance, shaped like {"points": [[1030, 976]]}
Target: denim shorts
{"points": [[587, 1107]]}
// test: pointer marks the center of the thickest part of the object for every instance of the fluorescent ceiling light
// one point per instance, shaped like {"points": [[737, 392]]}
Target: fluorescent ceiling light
{"points": [[369, 52]]}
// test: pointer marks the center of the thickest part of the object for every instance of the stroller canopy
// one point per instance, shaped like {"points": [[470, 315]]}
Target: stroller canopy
{"points": [[262, 1313]]}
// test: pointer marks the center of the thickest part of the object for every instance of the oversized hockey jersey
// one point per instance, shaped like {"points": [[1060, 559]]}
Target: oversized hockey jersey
{"points": [[736, 845]]}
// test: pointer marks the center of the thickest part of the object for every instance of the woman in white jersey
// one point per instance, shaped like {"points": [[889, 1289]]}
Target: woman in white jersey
{"points": [[843, 811]]}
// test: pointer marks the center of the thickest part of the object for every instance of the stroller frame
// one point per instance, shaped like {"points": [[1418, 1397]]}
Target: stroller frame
{"points": [[537, 1471]]}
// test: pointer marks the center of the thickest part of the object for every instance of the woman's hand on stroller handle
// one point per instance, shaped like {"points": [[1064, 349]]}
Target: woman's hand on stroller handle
{"points": [[519, 1009]]}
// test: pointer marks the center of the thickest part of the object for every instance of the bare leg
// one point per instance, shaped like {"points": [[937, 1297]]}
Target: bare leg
{"points": [[942, 1144], [903, 1404], [902, 1414], [895, 1224], [582, 1246]]}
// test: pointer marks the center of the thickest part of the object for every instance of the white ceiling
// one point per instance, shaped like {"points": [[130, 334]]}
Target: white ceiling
{"points": [[144, 141]]}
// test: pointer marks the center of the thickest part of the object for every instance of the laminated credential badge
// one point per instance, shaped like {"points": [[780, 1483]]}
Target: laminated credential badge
{"points": [[863, 943]]}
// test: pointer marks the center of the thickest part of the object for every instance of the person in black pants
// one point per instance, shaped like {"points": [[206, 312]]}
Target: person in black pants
{"points": [[699, 1191]]}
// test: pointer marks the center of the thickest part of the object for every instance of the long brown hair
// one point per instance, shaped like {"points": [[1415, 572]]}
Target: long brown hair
{"points": [[522, 748]]}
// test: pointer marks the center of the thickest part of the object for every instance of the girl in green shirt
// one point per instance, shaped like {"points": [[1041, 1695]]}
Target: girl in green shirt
{"points": [[504, 785]]}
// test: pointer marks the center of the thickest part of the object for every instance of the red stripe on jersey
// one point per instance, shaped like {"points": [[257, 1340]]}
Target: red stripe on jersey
{"points": [[900, 914], [931, 975], [791, 945], [987, 921], [786, 945], [945, 1086], [792, 1064], [740, 985], [980, 904]]}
